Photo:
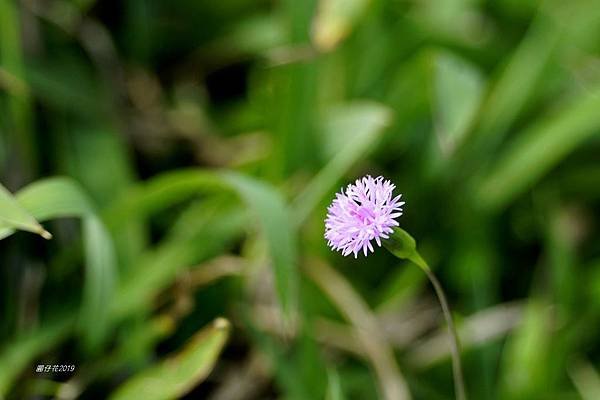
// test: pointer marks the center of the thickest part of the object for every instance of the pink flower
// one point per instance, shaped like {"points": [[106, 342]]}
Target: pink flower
{"points": [[366, 211]]}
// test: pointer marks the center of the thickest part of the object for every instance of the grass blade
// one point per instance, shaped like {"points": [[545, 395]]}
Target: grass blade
{"points": [[14, 216], [265, 201], [352, 306], [335, 20], [18, 105], [586, 379], [334, 386], [214, 227], [353, 129], [276, 223], [62, 197], [19, 354], [178, 374], [539, 149], [458, 91], [517, 81]]}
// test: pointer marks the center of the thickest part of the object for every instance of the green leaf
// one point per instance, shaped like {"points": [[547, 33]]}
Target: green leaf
{"points": [[161, 192], [458, 93], [62, 197], [252, 36], [55, 198], [14, 216], [351, 130], [366, 328], [518, 79], [178, 374], [212, 225], [334, 386], [265, 201], [51, 80], [335, 20], [586, 379], [538, 149], [100, 276], [20, 353], [558, 27], [525, 366], [16, 108], [276, 222], [97, 157]]}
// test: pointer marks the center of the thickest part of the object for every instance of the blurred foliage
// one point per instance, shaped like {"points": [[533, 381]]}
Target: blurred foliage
{"points": [[181, 155]]}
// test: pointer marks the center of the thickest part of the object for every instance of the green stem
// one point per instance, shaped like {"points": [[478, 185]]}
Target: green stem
{"points": [[457, 372], [403, 246]]}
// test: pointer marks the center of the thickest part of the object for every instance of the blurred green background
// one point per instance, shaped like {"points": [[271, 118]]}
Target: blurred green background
{"points": [[182, 155]]}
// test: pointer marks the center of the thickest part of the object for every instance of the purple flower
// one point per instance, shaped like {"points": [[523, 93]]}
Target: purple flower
{"points": [[366, 211]]}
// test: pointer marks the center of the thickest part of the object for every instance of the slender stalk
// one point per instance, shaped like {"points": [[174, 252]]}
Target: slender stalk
{"points": [[457, 372], [403, 246]]}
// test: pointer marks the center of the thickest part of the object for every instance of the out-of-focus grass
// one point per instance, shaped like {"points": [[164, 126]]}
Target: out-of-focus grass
{"points": [[183, 154]]}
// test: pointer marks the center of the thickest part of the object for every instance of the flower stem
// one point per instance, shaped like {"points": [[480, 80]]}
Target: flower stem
{"points": [[403, 246], [459, 384]]}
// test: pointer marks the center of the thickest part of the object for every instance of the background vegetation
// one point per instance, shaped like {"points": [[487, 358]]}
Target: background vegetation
{"points": [[182, 155]]}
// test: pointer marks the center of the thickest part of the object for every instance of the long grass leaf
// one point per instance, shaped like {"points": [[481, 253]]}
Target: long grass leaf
{"points": [[178, 374], [211, 230], [353, 129], [335, 19], [62, 197], [276, 222], [15, 216], [334, 386], [539, 149], [18, 105], [265, 201], [20, 353], [391, 382]]}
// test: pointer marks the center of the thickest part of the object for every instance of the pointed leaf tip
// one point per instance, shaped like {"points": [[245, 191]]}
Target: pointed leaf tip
{"points": [[221, 324]]}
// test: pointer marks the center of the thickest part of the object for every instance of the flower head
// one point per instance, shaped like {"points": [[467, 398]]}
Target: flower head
{"points": [[366, 211]]}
